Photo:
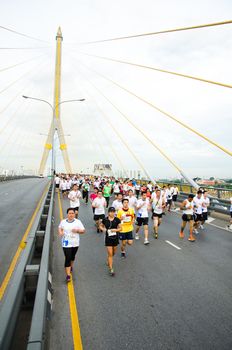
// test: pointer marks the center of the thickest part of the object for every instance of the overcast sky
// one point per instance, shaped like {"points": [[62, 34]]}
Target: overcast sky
{"points": [[205, 53]]}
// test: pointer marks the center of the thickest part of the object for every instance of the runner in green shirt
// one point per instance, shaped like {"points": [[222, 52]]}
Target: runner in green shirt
{"points": [[107, 192]]}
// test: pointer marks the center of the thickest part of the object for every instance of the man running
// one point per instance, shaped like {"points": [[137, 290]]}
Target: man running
{"points": [[117, 203], [74, 197], [99, 204], [111, 226], [57, 182], [116, 188], [127, 216], [137, 190], [85, 191], [197, 201], [143, 206], [187, 206], [132, 200], [169, 193], [205, 205], [174, 196], [158, 204]]}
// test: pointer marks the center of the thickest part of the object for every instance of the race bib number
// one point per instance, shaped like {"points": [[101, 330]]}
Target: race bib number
{"points": [[127, 219], [111, 234]]}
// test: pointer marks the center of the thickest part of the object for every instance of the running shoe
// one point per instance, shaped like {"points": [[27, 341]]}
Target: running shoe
{"points": [[136, 236], [146, 242], [201, 227], [195, 231], [191, 239], [123, 254], [68, 278], [181, 234], [112, 273]]}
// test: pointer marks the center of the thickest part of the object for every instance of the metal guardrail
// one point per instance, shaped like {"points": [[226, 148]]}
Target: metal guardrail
{"points": [[16, 177], [223, 194], [29, 284], [37, 337]]}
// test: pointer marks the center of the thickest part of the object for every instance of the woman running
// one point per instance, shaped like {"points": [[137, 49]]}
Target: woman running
{"points": [[69, 230], [111, 226]]}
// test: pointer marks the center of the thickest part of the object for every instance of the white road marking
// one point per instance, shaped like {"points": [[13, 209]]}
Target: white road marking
{"points": [[209, 220], [222, 228], [173, 245]]}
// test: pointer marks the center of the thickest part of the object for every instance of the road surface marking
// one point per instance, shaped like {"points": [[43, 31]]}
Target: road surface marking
{"points": [[222, 228], [209, 220], [21, 247], [77, 342], [173, 245]]}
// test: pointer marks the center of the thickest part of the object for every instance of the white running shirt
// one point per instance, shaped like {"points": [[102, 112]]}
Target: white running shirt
{"points": [[70, 239], [99, 204], [74, 197]]}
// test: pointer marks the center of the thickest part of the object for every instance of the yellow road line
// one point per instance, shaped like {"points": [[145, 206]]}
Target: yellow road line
{"points": [[76, 333], [21, 246]]}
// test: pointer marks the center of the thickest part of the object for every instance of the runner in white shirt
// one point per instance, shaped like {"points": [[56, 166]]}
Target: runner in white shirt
{"points": [[63, 186], [69, 229], [197, 201], [163, 192], [116, 188], [205, 205], [143, 206], [125, 188], [158, 204], [169, 193], [99, 204], [187, 207], [68, 184], [57, 182], [74, 197], [117, 203], [174, 196], [149, 186], [132, 200]]}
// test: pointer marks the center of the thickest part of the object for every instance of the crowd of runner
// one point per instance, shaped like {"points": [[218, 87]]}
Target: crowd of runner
{"points": [[132, 205]]}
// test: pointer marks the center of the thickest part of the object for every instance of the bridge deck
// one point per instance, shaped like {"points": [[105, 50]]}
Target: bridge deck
{"points": [[160, 298]]}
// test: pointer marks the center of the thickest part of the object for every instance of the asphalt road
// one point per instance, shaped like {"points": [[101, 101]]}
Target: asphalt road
{"points": [[18, 200], [161, 297]]}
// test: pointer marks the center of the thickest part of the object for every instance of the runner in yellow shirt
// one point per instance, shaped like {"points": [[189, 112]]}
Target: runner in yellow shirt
{"points": [[127, 217]]}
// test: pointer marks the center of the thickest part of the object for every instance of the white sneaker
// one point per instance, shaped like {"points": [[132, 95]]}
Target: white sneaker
{"points": [[146, 241], [195, 231], [202, 227], [136, 236]]}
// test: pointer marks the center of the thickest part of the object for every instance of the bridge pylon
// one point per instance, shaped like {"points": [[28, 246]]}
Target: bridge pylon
{"points": [[56, 125]]}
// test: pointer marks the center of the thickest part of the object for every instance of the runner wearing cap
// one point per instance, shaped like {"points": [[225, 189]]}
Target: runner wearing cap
{"points": [[111, 226]]}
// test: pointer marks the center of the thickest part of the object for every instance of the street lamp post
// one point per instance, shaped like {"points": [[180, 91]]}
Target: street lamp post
{"points": [[53, 122]]}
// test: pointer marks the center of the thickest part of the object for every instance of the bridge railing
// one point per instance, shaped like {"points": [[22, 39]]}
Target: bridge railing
{"points": [[15, 177], [216, 192], [219, 197], [30, 286]]}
